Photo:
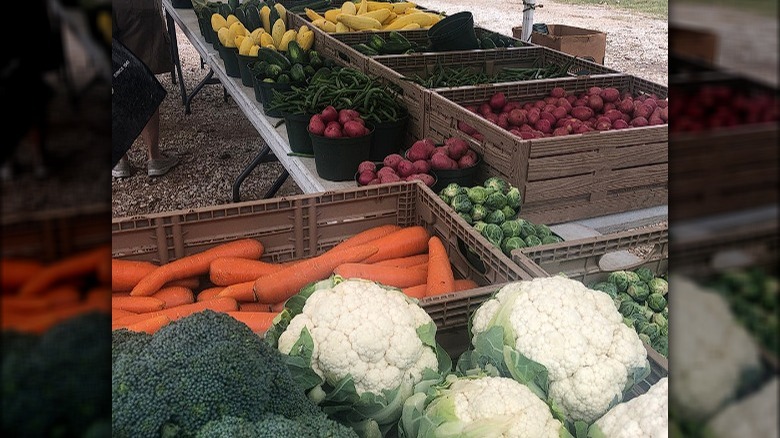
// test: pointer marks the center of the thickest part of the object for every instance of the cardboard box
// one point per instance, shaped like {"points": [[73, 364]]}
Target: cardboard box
{"points": [[693, 43], [569, 39]]}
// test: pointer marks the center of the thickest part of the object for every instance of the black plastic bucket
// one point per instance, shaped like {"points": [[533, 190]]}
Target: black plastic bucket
{"points": [[298, 133], [388, 139], [454, 32], [243, 68], [266, 94], [182, 4], [229, 56], [337, 159]]}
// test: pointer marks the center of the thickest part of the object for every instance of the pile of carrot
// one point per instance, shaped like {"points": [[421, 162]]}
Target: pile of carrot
{"points": [[147, 296], [37, 296]]}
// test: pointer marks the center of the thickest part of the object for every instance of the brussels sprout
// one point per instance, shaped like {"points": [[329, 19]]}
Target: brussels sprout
{"points": [[511, 228], [479, 212], [639, 318], [645, 274], [526, 229], [651, 330], [477, 195], [665, 330], [621, 298], [658, 286], [604, 286], [446, 199], [645, 339], [509, 212], [498, 184], [452, 190], [619, 279], [497, 217], [479, 226], [495, 201], [514, 199], [656, 302], [632, 277], [494, 234], [467, 217], [629, 308], [542, 231], [551, 239], [659, 319], [647, 311], [461, 204], [638, 291], [533, 241], [510, 243], [489, 191], [628, 321], [665, 312], [661, 345]]}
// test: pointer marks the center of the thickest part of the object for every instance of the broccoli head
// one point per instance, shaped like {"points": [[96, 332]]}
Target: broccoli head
{"points": [[195, 370], [276, 426]]}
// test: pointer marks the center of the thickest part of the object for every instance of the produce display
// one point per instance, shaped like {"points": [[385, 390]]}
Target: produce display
{"points": [[54, 319], [397, 44], [529, 331], [464, 76], [394, 168], [712, 106], [563, 113], [367, 15], [342, 88], [753, 297], [252, 26], [492, 209], [338, 124], [362, 363], [641, 297], [645, 415]]}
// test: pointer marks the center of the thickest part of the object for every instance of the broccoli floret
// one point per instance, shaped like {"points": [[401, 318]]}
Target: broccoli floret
{"points": [[276, 426], [124, 341], [198, 369], [56, 384]]}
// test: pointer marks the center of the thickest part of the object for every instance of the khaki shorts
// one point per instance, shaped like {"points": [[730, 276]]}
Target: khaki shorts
{"points": [[140, 26]]}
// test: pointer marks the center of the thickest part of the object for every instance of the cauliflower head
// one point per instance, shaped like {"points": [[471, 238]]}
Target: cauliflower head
{"points": [[713, 356], [756, 415], [576, 333], [366, 331], [646, 416]]}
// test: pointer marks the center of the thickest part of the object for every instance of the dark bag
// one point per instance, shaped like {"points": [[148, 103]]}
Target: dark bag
{"points": [[135, 96]]}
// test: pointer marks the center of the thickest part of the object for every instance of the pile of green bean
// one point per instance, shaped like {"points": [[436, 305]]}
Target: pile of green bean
{"points": [[344, 88], [464, 76]]}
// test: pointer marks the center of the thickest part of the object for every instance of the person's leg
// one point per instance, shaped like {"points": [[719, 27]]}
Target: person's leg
{"points": [[158, 163]]}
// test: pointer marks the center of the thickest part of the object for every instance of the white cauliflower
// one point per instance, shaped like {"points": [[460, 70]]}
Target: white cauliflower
{"points": [[576, 333], [711, 357], [646, 416], [362, 329], [754, 416]]}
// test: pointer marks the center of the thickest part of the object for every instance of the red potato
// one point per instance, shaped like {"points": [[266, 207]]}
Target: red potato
{"points": [[456, 147], [493, 118], [366, 177], [603, 124], [374, 182], [608, 106], [316, 125], [533, 116], [559, 113], [390, 178], [485, 109], [544, 115], [664, 115], [441, 150], [420, 150], [619, 124], [626, 106], [610, 94], [543, 125], [510, 106], [498, 101], [528, 106], [642, 110], [639, 122], [652, 103], [346, 115], [558, 92], [571, 99], [472, 108], [465, 127], [383, 172], [517, 117], [354, 129], [367, 166], [580, 102], [421, 166], [549, 108], [442, 162], [560, 132], [595, 103], [563, 103], [424, 177], [391, 161], [527, 135], [613, 115], [329, 114], [594, 91], [333, 130], [540, 104], [405, 168], [503, 120], [582, 112], [468, 160], [582, 129]]}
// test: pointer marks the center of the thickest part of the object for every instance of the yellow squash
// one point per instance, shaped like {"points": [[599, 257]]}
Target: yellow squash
{"points": [[332, 15], [282, 11], [313, 15], [231, 19], [218, 22], [380, 15], [288, 36], [278, 31], [265, 17], [253, 50], [359, 22], [349, 8]]}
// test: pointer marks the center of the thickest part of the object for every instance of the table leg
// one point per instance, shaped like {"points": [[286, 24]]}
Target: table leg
{"points": [[175, 56], [277, 184], [209, 79]]}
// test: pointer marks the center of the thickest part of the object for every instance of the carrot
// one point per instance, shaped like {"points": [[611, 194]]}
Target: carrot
{"points": [[100, 296], [77, 265], [440, 277], [210, 293], [56, 296], [225, 271], [125, 274], [253, 307], [402, 243], [150, 325], [281, 285], [278, 307], [39, 323], [178, 312], [196, 264], [242, 292], [404, 262], [387, 275], [16, 272], [259, 322], [367, 236], [417, 291], [174, 296], [120, 313], [137, 304], [465, 284]]}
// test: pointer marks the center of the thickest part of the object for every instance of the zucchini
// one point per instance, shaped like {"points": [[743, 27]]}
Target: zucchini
{"points": [[364, 49], [487, 43], [283, 79], [253, 18], [273, 57], [314, 59], [241, 15], [376, 42], [272, 17], [309, 71], [233, 4], [296, 54], [224, 10], [273, 71], [297, 74], [259, 67]]}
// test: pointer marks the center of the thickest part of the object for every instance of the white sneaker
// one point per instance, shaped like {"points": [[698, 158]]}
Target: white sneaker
{"points": [[122, 169], [161, 166]]}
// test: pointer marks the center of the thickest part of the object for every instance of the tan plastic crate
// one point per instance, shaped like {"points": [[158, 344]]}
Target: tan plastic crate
{"points": [[302, 226], [51, 235], [585, 260], [570, 177]]}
